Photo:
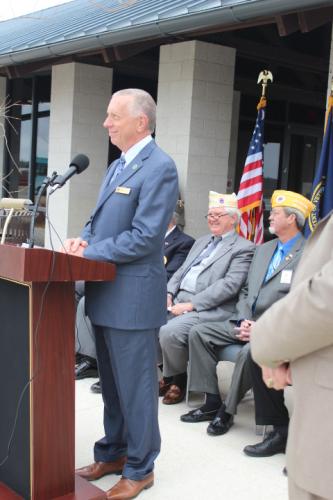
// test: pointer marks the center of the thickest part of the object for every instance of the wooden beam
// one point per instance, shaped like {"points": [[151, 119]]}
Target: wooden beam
{"points": [[287, 24], [312, 19], [280, 55]]}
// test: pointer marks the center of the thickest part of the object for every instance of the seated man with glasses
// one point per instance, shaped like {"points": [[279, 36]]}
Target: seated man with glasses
{"points": [[205, 288]]}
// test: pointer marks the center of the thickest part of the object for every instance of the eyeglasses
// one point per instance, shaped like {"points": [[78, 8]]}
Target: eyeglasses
{"points": [[215, 216]]}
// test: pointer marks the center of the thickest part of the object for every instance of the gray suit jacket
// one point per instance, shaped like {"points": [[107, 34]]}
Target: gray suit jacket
{"points": [[257, 295], [128, 227], [299, 328], [219, 283]]}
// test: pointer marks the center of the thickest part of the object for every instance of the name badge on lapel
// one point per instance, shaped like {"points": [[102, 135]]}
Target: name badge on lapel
{"points": [[286, 276], [123, 190]]}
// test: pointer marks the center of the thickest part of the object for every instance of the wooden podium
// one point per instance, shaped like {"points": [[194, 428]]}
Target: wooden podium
{"points": [[37, 331]]}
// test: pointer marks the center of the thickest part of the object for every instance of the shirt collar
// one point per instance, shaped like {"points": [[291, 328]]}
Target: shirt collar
{"points": [[223, 236], [135, 150], [169, 231], [287, 246]]}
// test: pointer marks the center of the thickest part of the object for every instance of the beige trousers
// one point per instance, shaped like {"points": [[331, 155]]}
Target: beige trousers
{"points": [[297, 493]]}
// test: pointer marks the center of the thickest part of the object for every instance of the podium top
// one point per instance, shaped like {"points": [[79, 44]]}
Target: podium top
{"points": [[42, 265]]}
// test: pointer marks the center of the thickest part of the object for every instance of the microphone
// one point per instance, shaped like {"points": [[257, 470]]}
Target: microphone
{"points": [[15, 203], [77, 165]]}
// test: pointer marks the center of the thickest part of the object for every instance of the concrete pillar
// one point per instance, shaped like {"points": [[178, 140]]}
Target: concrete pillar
{"points": [[80, 95], [2, 123], [194, 107]]}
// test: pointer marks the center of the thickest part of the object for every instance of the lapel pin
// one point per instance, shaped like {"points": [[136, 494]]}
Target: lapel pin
{"points": [[135, 166]]}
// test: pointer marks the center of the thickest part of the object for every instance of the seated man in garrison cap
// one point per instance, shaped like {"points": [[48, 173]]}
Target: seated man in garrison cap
{"points": [[205, 288], [269, 280]]}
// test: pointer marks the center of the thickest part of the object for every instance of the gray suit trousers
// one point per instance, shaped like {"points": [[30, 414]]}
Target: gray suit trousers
{"points": [[174, 342], [204, 343]]}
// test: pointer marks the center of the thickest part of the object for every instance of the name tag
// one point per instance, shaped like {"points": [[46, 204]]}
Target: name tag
{"points": [[123, 190], [286, 276]]}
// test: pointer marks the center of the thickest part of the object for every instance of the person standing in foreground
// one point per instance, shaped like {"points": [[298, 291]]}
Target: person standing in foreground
{"points": [[127, 227], [294, 338]]}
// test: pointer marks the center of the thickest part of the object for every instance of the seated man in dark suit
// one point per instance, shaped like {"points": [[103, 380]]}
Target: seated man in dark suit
{"points": [[177, 244], [268, 280]]}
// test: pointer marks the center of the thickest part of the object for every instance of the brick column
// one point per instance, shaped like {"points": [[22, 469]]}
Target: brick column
{"points": [[80, 94], [194, 108]]}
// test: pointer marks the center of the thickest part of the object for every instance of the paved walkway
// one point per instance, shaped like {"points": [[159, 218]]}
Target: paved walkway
{"points": [[192, 465]]}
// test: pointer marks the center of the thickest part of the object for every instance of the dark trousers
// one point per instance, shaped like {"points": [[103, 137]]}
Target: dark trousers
{"points": [[127, 367], [269, 403]]}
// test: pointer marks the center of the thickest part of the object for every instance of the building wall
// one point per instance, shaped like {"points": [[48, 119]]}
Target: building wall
{"points": [[80, 95], [195, 96], [2, 122]]}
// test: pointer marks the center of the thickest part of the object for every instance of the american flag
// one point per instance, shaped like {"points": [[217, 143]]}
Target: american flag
{"points": [[250, 194]]}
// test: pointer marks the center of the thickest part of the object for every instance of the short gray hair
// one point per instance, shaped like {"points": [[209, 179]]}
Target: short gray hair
{"points": [[234, 211], [142, 103], [300, 219]]}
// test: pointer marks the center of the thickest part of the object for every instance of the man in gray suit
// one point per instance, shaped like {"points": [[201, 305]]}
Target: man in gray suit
{"points": [[177, 244], [268, 281], [127, 227], [294, 339], [204, 288]]}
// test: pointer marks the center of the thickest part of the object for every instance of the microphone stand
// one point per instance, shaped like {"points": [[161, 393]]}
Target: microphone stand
{"points": [[48, 181]]}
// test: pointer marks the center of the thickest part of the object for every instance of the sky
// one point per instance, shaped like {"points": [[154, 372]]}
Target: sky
{"points": [[15, 8]]}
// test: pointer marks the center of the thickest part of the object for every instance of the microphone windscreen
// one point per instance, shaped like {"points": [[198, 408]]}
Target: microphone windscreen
{"points": [[17, 203], [80, 162]]}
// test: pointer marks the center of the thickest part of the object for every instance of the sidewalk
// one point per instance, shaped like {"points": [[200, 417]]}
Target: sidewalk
{"points": [[192, 465]]}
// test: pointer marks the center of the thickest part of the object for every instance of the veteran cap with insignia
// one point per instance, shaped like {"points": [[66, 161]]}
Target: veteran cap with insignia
{"points": [[218, 200], [281, 198]]}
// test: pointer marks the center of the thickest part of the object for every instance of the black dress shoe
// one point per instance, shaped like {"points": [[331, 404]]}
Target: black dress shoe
{"points": [[221, 424], [274, 443], [85, 369], [78, 358], [96, 387], [198, 416]]}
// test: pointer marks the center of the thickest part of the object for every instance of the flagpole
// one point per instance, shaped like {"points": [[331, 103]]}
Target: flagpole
{"points": [[322, 186], [250, 194]]}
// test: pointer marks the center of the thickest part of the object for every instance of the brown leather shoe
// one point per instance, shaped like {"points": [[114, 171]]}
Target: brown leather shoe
{"points": [[174, 395], [99, 469], [163, 387], [128, 488]]}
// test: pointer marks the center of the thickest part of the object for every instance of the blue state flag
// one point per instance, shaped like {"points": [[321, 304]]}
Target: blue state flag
{"points": [[322, 187]]}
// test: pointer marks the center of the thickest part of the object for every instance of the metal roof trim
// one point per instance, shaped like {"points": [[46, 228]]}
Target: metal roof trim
{"points": [[227, 14]]}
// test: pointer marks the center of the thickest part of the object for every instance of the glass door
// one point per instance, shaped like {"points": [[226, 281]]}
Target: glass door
{"points": [[302, 152]]}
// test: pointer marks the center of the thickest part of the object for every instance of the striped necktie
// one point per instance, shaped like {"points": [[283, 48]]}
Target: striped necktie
{"points": [[119, 168], [207, 251]]}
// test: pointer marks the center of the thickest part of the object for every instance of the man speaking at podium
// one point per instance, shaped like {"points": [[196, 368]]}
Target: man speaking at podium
{"points": [[127, 227]]}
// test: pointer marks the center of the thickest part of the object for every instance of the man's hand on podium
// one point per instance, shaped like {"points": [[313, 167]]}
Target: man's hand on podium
{"points": [[74, 246]]}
